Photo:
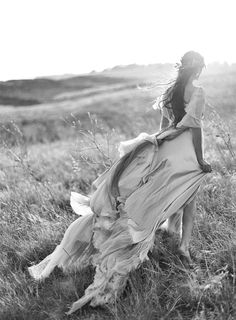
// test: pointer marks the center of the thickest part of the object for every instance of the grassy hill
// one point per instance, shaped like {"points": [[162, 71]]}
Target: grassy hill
{"points": [[36, 91], [56, 136], [44, 109]]}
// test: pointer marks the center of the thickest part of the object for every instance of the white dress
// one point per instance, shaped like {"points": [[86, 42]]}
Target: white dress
{"points": [[160, 181]]}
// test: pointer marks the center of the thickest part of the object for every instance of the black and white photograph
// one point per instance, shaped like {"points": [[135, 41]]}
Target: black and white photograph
{"points": [[117, 160]]}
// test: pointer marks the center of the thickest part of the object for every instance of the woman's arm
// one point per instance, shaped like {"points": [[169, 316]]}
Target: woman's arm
{"points": [[197, 142]]}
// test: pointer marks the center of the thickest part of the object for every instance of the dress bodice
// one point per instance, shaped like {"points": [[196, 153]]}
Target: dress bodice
{"points": [[194, 110]]}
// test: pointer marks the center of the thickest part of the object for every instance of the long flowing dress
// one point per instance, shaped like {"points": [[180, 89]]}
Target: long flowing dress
{"points": [[115, 233]]}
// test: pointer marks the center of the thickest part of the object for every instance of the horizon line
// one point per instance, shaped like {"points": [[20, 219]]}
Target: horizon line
{"points": [[61, 76]]}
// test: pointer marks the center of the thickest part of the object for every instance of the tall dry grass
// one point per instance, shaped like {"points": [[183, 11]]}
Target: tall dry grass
{"points": [[35, 185]]}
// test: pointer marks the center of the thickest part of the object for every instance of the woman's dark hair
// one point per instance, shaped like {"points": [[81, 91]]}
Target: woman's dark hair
{"points": [[190, 65]]}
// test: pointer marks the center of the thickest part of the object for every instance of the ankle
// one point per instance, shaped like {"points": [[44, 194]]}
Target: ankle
{"points": [[184, 248]]}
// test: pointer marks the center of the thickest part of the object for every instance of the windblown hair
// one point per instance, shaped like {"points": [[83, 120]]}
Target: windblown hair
{"points": [[191, 64], [173, 98]]}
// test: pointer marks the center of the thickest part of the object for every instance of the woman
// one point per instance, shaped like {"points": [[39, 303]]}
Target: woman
{"points": [[153, 184]]}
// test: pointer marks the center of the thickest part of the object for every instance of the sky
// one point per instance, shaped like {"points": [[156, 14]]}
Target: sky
{"points": [[54, 37]]}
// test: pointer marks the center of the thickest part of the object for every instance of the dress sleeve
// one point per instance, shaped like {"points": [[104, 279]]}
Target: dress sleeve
{"points": [[194, 111]]}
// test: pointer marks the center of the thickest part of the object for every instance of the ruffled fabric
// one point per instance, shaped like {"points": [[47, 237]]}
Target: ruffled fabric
{"points": [[116, 239], [73, 253]]}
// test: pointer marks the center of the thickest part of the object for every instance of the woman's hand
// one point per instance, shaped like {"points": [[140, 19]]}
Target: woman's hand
{"points": [[206, 167]]}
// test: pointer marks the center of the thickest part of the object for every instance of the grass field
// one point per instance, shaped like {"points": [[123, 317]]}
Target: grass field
{"points": [[59, 141]]}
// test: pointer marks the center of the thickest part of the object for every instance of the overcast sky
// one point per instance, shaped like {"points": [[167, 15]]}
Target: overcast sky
{"points": [[50, 37]]}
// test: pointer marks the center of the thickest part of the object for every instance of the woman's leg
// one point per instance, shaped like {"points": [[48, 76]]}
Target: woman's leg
{"points": [[187, 227], [174, 222]]}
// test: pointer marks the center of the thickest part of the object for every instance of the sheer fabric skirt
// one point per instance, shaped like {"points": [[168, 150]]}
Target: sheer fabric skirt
{"points": [[159, 182]]}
